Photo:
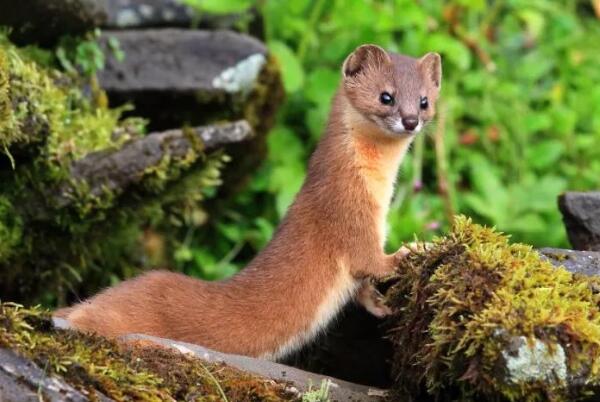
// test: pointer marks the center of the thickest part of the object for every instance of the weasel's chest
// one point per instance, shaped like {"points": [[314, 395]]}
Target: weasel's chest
{"points": [[378, 167]]}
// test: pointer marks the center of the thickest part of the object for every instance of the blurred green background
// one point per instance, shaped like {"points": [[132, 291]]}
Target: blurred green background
{"points": [[518, 121]]}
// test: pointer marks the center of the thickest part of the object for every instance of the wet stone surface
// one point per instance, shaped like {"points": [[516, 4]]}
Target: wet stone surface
{"points": [[581, 215]]}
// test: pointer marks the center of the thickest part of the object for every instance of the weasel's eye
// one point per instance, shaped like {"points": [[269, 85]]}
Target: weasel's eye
{"points": [[386, 98], [424, 102]]}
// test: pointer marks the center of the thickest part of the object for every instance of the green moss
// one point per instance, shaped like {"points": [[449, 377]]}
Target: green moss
{"points": [[7, 121], [127, 372], [40, 104], [266, 96], [48, 250], [11, 229], [481, 316]]}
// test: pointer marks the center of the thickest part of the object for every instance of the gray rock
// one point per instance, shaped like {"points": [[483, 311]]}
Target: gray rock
{"points": [[176, 76], [183, 62], [580, 262], [339, 390], [44, 21], [146, 13], [22, 381], [116, 170], [581, 215]]}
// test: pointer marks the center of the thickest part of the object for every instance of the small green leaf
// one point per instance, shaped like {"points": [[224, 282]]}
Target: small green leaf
{"points": [[291, 69], [219, 6], [544, 154]]}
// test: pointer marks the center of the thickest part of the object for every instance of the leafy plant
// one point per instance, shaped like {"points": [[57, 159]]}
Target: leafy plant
{"points": [[518, 119], [85, 55], [320, 394]]}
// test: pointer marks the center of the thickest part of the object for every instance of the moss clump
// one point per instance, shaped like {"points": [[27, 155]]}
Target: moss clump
{"points": [[59, 236], [477, 316], [41, 104], [127, 372], [5, 106]]}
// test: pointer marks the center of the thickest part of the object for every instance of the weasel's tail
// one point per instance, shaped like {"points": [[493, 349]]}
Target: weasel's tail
{"points": [[59, 318]]}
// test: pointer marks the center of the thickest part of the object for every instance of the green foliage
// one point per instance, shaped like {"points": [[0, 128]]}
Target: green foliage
{"points": [[482, 307], [11, 229], [320, 394], [84, 55], [38, 104], [517, 121], [219, 7]]}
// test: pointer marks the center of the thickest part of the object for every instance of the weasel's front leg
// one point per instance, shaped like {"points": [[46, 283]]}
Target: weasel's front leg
{"points": [[386, 265], [368, 295]]}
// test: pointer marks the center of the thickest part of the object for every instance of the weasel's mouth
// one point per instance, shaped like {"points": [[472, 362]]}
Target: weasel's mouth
{"points": [[397, 127]]}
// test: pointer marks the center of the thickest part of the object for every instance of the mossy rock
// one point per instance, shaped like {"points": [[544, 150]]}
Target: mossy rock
{"points": [[65, 227], [478, 318], [98, 368]]}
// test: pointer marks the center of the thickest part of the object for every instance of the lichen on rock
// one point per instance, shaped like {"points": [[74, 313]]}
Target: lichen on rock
{"points": [[477, 316], [535, 361]]}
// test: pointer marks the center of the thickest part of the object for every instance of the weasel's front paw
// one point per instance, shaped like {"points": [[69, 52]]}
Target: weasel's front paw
{"points": [[412, 247], [378, 309], [401, 254], [373, 301]]}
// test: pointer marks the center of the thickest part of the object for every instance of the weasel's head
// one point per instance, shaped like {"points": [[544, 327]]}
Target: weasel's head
{"points": [[397, 93]]}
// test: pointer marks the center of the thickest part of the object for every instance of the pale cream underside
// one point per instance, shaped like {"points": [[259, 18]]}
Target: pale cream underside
{"points": [[379, 175], [342, 290]]}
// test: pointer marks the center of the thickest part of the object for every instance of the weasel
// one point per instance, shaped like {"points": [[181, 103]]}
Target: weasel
{"points": [[327, 247]]}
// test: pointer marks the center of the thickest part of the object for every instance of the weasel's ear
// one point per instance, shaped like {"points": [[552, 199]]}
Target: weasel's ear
{"points": [[363, 56], [431, 66]]}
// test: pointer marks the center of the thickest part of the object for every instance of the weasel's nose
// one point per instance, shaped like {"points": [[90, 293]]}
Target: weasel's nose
{"points": [[410, 122]]}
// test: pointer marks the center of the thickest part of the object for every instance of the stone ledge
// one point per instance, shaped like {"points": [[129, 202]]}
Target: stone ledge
{"points": [[339, 390]]}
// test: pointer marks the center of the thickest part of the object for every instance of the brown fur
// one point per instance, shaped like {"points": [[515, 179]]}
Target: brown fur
{"points": [[330, 241]]}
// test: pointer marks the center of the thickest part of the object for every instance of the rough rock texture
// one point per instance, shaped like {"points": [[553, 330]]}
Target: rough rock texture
{"points": [[22, 381], [182, 61], [302, 380], [36, 356], [176, 76], [579, 262], [581, 214], [476, 317], [146, 13]]}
